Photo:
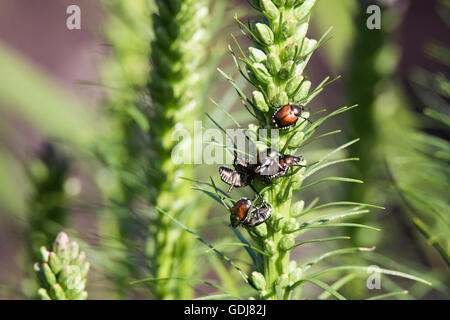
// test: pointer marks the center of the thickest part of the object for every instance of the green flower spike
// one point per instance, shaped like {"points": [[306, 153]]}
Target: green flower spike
{"points": [[62, 272]]}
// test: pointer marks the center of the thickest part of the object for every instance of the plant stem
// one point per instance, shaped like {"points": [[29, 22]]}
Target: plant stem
{"points": [[176, 83]]}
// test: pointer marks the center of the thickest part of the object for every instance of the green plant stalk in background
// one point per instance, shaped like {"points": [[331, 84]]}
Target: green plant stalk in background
{"points": [[176, 88], [63, 271], [122, 147]]}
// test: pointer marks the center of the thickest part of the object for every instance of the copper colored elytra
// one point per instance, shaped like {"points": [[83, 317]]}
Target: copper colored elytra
{"points": [[240, 214], [286, 116]]}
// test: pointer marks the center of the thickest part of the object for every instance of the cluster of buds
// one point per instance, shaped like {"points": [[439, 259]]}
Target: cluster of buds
{"points": [[63, 271]]}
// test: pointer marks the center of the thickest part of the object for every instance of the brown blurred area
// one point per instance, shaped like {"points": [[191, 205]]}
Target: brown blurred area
{"points": [[37, 30]]}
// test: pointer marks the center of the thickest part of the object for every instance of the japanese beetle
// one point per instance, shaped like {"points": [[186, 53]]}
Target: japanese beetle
{"points": [[240, 213], [242, 174], [286, 116], [272, 164]]}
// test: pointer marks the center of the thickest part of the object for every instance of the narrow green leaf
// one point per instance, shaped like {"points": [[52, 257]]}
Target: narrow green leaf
{"points": [[342, 179], [388, 295], [337, 285], [369, 269]]}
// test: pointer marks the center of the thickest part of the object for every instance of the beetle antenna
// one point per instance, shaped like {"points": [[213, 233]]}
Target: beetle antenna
{"points": [[306, 119]]}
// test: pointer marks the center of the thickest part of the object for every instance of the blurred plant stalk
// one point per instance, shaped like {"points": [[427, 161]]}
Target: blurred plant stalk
{"points": [[176, 88], [122, 147]]}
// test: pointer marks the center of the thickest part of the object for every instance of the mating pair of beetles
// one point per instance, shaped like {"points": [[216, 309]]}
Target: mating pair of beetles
{"points": [[269, 165]]}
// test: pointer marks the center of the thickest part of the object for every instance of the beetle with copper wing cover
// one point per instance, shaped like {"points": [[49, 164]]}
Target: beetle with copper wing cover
{"points": [[242, 215]]}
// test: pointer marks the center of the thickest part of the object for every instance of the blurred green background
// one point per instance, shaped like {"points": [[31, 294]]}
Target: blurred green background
{"points": [[70, 116]]}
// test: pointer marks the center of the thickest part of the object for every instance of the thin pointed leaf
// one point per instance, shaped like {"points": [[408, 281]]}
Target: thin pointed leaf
{"points": [[370, 269], [388, 295], [337, 285], [342, 179], [327, 164], [306, 265], [224, 257], [320, 240]]}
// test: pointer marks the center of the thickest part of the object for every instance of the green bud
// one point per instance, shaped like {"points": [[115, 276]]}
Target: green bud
{"points": [[304, 89], [292, 266], [80, 260], [308, 47], [295, 275], [50, 278], [269, 247], [290, 226], [251, 74], [40, 273], [287, 242], [256, 55], [55, 263], [293, 84], [286, 71], [297, 139], [258, 281], [297, 208], [288, 28], [259, 101], [273, 63], [281, 99], [252, 131], [272, 90], [282, 281], [62, 247], [290, 51], [44, 294], [57, 292], [269, 9], [264, 33], [304, 10], [300, 34], [67, 273], [74, 251], [261, 230], [62, 242], [261, 73], [44, 254]]}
